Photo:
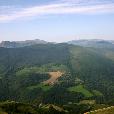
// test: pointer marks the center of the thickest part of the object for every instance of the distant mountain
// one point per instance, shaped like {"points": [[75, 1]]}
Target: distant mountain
{"points": [[16, 44], [85, 43], [93, 43], [112, 41]]}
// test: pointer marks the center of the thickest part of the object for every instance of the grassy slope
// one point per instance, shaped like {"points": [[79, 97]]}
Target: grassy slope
{"points": [[93, 68], [80, 89], [88, 64], [42, 86], [97, 93]]}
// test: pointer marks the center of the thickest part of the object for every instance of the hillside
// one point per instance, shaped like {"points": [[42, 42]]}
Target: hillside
{"points": [[77, 73], [12, 107], [22, 108]]}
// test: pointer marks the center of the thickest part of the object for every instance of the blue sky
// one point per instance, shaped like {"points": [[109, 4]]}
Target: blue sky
{"points": [[56, 20]]}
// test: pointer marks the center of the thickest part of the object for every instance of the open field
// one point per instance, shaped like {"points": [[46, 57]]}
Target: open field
{"points": [[41, 86], [80, 89], [53, 77]]}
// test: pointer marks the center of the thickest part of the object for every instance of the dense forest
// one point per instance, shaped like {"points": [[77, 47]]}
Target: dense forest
{"points": [[85, 80]]}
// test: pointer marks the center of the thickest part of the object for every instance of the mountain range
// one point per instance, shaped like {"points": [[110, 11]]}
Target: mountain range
{"points": [[93, 43], [16, 44], [84, 43]]}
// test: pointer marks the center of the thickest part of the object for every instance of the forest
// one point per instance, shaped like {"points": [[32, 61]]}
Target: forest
{"points": [[86, 79]]}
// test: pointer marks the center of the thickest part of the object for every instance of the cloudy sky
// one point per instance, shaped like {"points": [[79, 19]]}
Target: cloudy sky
{"points": [[56, 20]]}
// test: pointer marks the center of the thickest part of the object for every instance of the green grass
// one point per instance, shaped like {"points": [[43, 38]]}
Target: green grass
{"points": [[80, 89], [97, 93], [27, 71], [42, 69], [42, 86]]}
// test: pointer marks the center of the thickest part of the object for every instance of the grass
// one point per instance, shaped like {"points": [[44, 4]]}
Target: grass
{"points": [[43, 69], [80, 89], [97, 93], [27, 71], [42, 86]]}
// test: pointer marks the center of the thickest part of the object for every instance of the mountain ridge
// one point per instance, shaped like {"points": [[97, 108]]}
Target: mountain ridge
{"points": [[97, 43], [92, 43], [16, 44]]}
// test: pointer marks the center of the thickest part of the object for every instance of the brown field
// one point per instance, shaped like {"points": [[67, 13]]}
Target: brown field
{"points": [[53, 77]]}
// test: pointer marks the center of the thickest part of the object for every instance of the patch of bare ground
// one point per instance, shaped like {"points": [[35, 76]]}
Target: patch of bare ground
{"points": [[53, 77]]}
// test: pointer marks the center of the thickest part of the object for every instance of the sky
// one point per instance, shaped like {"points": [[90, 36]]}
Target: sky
{"points": [[56, 20]]}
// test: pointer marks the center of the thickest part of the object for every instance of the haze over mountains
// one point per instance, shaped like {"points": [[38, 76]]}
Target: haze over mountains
{"points": [[92, 43], [15, 44], [84, 43]]}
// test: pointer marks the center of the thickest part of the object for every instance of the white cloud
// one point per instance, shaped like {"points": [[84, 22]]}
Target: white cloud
{"points": [[65, 7]]}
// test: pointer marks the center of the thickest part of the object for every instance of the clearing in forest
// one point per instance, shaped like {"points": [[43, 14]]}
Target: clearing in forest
{"points": [[53, 77]]}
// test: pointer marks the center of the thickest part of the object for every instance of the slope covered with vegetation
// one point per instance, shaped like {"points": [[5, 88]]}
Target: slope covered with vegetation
{"points": [[86, 74]]}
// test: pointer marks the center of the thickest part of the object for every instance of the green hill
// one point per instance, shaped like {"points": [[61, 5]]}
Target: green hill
{"points": [[88, 74]]}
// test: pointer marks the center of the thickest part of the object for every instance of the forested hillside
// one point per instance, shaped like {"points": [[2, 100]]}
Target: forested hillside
{"points": [[60, 74]]}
